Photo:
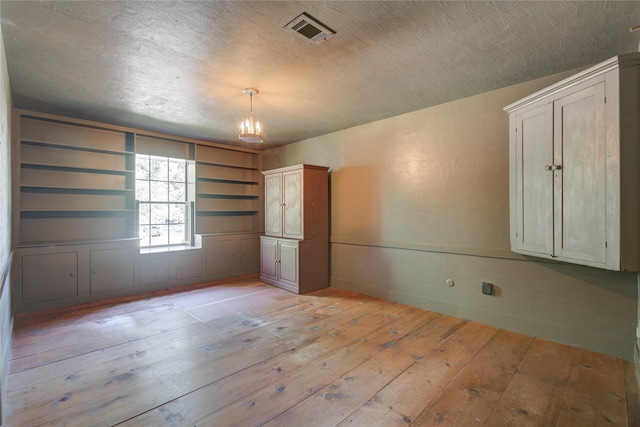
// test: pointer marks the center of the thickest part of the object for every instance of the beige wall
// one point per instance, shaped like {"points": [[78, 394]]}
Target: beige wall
{"points": [[6, 317], [423, 197]]}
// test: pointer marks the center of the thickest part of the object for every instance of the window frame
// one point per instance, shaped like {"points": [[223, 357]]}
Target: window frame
{"points": [[187, 226]]}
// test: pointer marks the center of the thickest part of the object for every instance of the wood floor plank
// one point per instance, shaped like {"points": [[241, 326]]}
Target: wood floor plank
{"points": [[95, 339], [321, 343], [334, 403], [20, 363], [332, 357], [595, 394], [533, 397], [208, 360], [255, 352], [402, 400], [215, 338], [274, 399], [469, 399]]}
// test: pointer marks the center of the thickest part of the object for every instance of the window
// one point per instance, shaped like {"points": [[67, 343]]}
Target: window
{"points": [[163, 208]]}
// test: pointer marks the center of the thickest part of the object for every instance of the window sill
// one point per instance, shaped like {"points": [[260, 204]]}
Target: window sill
{"points": [[162, 249]]}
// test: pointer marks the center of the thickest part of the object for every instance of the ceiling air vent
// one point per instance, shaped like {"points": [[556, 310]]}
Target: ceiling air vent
{"points": [[309, 28]]}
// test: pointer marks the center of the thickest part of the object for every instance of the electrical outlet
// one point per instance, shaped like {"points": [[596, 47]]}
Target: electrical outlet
{"points": [[487, 288]]}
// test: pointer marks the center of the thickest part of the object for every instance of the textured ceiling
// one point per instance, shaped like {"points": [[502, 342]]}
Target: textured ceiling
{"points": [[180, 67]]}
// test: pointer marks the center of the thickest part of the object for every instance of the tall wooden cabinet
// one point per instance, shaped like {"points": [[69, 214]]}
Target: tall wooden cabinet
{"points": [[574, 175], [294, 252]]}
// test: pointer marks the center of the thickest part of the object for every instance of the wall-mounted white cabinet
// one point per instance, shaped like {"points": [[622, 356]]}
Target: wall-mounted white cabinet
{"points": [[296, 202], [574, 175]]}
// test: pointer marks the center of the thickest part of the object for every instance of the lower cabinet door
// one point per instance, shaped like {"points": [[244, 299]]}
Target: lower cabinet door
{"points": [[288, 262], [250, 255], [112, 269], [269, 258], [222, 257], [189, 265], [48, 277], [154, 268]]}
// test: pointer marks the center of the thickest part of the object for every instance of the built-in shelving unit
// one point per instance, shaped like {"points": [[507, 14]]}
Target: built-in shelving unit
{"points": [[76, 182], [228, 188], [74, 210]]}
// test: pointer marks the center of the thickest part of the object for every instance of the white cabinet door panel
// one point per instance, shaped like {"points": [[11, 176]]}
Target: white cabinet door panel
{"points": [[580, 185], [534, 179], [288, 262], [269, 258], [273, 205], [293, 208]]}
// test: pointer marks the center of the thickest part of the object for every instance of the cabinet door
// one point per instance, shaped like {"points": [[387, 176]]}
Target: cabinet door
{"points": [[112, 269], [48, 277], [189, 265], [292, 224], [534, 180], [250, 254], [223, 257], [269, 258], [154, 268], [288, 265], [273, 205], [580, 185]]}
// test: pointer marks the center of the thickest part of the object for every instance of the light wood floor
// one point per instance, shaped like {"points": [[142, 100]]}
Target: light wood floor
{"points": [[244, 353]]}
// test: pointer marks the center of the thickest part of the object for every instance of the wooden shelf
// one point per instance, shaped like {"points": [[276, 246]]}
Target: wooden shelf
{"points": [[72, 213], [45, 166], [227, 181], [227, 165], [76, 147], [228, 196], [77, 182], [226, 213], [73, 190]]}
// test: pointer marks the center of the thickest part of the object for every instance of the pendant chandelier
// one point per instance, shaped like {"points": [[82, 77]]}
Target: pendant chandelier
{"points": [[250, 131]]}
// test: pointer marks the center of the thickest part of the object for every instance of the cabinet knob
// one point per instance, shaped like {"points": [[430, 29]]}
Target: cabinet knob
{"points": [[547, 167], [72, 274], [556, 167], [93, 272]]}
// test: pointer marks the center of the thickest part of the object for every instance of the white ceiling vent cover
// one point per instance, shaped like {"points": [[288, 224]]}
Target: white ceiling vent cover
{"points": [[309, 28]]}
